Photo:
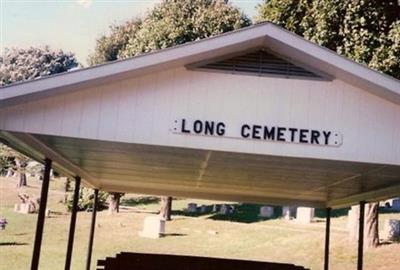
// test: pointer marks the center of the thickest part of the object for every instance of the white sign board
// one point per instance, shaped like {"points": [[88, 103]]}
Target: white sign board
{"points": [[261, 132]]}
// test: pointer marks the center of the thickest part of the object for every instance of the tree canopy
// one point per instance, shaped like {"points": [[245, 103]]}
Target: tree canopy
{"points": [[109, 46], [172, 22], [367, 31], [18, 64]]}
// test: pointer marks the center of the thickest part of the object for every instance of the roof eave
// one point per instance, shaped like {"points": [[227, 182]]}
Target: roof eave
{"points": [[267, 34]]}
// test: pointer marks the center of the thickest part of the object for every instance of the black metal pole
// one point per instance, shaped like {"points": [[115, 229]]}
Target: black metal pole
{"points": [[361, 237], [91, 237], [327, 237], [41, 215], [72, 224]]}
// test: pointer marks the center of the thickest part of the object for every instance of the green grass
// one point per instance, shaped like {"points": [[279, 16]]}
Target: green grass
{"points": [[242, 235]]}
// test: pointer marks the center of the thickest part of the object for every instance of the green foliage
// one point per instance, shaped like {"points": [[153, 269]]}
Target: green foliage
{"points": [[366, 25], [5, 161], [366, 31], [172, 22], [11, 159], [286, 13], [27, 64], [85, 202], [323, 23], [109, 46], [387, 57]]}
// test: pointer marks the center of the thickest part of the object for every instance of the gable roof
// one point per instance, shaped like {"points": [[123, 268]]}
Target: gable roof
{"points": [[266, 35]]}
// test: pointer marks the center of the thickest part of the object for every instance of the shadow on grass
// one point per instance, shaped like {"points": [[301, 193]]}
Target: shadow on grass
{"points": [[321, 213], [247, 213], [173, 234], [139, 201], [12, 244], [188, 214], [244, 213], [387, 210]]}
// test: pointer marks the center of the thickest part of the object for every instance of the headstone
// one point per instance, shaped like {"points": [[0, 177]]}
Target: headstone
{"points": [[153, 227], [48, 212], [24, 208], [353, 220], [216, 207], [203, 209], [350, 219], [305, 215], [192, 208], [266, 212], [10, 173], [391, 229], [396, 204], [16, 207], [288, 212], [226, 209], [3, 223]]}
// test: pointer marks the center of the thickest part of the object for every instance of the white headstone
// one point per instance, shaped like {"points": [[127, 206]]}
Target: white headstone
{"points": [[216, 207], [153, 227], [350, 219], [288, 212], [225, 209], [391, 229], [266, 211], [203, 209], [305, 215], [396, 204], [192, 208], [24, 208]]}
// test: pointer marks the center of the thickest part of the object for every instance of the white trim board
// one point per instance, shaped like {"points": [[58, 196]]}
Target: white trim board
{"points": [[264, 34]]}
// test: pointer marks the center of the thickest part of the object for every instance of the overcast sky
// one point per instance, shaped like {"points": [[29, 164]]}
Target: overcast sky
{"points": [[72, 25]]}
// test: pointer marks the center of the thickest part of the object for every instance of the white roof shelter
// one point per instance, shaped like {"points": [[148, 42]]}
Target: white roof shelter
{"points": [[254, 115]]}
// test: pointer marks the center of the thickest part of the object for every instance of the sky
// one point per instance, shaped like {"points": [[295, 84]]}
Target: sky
{"points": [[72, 25]]}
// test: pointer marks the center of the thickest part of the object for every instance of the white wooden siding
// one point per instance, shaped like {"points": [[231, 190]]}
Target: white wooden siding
{"points": [[142, 110]]}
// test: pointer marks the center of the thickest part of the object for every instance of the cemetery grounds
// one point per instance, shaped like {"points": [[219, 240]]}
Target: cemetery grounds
{"points": [[242, 235]]}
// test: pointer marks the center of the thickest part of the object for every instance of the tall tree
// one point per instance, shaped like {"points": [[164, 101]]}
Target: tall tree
{"points": [[286, 13], [170, 23], [108, 46], [371, 225], [113, 202], [17, 65], [363, 30], [367, 31], [26, 64], [166, 205], [371, 222]]}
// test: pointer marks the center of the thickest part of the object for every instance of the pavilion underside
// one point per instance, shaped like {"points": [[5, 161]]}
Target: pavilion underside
{"points": [[194, 173]]}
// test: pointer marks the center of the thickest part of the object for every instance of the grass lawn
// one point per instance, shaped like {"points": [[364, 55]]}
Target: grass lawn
{"points": [[273, 240]]}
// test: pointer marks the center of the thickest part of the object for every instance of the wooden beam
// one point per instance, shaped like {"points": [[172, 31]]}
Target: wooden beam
{"points": [[210, 194], [373, 195], [360, 257], [41, 216], [56, 157], [92, 227], [327, 237], [72, 224]]}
